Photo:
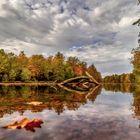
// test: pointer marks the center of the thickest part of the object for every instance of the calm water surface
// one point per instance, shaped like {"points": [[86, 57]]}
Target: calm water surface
{"points": [[111, 114]]}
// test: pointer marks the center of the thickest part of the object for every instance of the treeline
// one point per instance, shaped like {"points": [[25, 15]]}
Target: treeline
{"points": [[38, 68], [133, 77], [122, 78]]}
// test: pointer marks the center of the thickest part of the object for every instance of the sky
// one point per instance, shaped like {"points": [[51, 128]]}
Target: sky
{"points": [[95, 31]]}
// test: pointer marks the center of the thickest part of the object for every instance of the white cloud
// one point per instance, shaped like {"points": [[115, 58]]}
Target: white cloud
{"points": [[124, 22]]}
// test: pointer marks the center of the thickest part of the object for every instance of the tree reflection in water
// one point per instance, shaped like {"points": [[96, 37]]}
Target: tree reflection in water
{"points": [[128, 88], [20, 98], [17, 98]]}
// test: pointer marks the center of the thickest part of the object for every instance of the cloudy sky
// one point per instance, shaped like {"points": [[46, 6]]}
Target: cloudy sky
{"points": [[96, 31]]}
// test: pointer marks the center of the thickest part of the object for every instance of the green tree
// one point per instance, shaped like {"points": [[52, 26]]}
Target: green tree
{"points": [[58, 67], [5, 78], [13, 67], [25, 75], [4, 64], [36, 66]]}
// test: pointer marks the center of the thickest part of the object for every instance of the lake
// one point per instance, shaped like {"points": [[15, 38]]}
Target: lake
{"points": [[108, 113]]}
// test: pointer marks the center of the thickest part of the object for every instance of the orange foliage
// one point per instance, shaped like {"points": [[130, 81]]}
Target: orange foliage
{"points": [[78, 70]]}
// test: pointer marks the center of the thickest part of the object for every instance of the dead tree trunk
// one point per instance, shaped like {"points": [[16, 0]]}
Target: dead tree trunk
{"points": [[80, 84]]}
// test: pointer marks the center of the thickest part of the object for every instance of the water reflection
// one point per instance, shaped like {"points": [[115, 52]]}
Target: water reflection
{"points": [[18, 98], [102, 114], [128, 88]]}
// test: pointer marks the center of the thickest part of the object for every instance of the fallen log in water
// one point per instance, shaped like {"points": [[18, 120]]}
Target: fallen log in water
{"points": [[73, 79], [72, 90], [80, 84], [92, 78], [93, 91]]}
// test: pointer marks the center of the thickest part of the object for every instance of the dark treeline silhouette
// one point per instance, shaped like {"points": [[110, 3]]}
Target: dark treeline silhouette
{"points": [[38, 68]]}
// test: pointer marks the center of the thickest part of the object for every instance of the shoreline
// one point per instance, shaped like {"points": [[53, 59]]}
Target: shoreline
{"points": [[44, 83], [28, 83]]}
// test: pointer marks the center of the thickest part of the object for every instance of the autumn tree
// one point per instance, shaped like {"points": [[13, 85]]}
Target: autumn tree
{"points": [[58, 67], [13, 67], [77, 66], [94, 73], [22, 62], [4, 63], [36, 67]]}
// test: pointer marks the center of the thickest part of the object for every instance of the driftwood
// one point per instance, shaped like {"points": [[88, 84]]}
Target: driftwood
{"points": [[80, 84], [92, 78], [72, 90], [88, 77], [72, 79], [93, 91]]}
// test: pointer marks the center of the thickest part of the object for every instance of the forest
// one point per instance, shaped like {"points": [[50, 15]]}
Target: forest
{"points": [[21, 68], [57, 68]]}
